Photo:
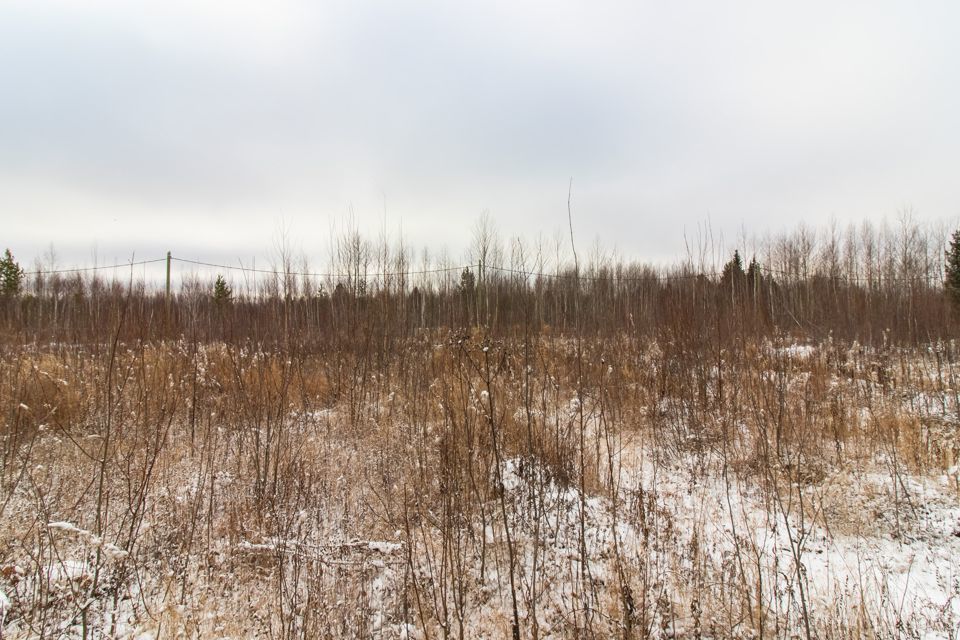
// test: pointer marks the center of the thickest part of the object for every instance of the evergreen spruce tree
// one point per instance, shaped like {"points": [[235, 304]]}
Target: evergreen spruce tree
{"points": [[222, 293], [11, 276], [733, 274], [468, 282], [952, 283], [754, 276], [468, 288]]}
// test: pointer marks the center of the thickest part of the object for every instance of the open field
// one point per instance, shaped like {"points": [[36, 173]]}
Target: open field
{"points": [[640, 458], [425, 320]]}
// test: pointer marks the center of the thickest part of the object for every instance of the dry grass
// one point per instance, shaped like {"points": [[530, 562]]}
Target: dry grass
{"points": [[235, 478]]}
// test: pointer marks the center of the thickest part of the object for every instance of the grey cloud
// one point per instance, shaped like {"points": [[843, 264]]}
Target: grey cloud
{"points": [[662, 114]]}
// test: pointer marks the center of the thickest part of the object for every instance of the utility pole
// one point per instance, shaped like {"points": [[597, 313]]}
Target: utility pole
{"points": [[168, 276]]}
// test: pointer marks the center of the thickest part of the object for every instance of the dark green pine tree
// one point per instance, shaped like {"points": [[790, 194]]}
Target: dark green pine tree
{"points": [[468, 288], [952, 282], [11, 276], [222, 293], [468, 282], [733, 275], [754, 276]]}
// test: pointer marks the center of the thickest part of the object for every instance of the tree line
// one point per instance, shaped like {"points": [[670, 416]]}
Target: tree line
{"points": [[867, 283]]}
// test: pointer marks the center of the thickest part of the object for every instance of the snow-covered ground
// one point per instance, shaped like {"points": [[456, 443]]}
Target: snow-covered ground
{"points": [[665, 531], [699, 553]]}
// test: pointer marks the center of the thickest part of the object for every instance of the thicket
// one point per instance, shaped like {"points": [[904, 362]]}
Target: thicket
{"points": [[869, 284]]}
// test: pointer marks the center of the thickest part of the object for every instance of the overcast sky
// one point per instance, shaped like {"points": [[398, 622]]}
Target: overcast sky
{"points": [[201, 127]]}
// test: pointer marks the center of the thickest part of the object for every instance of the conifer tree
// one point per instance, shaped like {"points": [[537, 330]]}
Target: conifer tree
{"points": [[754, 276], [733, 275], [468, 282], [222, 293], [952, 268], [11, 276]]}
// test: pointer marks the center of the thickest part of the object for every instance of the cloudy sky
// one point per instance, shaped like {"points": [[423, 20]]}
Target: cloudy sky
{"points": [[129, 128]]}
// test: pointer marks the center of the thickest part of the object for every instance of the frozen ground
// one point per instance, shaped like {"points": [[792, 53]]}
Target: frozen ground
{"points": [[700, 553], [676, 533]]}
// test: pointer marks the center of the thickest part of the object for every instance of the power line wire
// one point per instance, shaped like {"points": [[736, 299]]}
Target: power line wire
{"points": [[123, 265], [318, 275], [618, 277], [612, 276]]}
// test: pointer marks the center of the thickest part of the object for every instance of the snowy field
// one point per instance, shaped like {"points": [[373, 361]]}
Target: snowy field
{"points": [[475, 496]]}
